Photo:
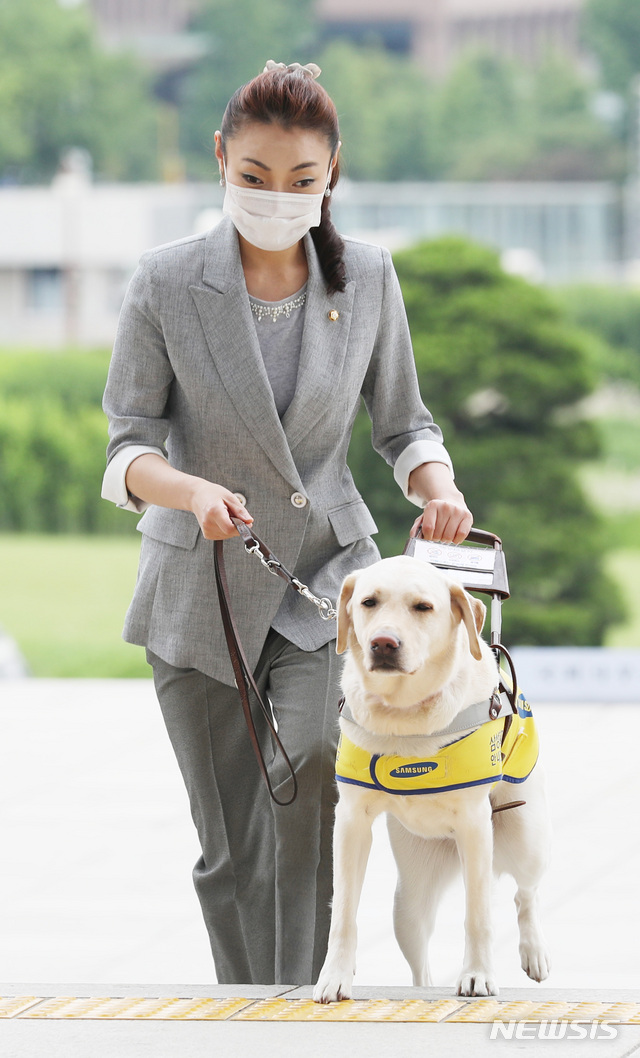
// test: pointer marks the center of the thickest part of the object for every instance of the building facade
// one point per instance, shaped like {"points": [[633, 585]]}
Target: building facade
{"points": [[120, 20], [67, 253], [435, 32], [156, 29]]}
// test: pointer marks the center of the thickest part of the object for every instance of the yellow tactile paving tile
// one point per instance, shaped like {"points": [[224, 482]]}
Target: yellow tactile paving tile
{"points": [[139, 1008], [484, 1010], [202, 1009], [349, 1010], [10, 1007], [239, 1008], [629, 1013]]}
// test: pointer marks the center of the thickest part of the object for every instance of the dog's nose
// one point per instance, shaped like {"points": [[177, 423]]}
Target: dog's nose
{"points": [[384, 644]]}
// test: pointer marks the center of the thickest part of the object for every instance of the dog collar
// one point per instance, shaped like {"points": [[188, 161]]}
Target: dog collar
{"points": [[504, 749]]}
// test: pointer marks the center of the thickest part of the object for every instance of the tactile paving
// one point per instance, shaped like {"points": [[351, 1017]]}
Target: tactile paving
{"points": [[137, 1008], [10, 1007], [483, 1010], [454, 1010], [349, 1010]]}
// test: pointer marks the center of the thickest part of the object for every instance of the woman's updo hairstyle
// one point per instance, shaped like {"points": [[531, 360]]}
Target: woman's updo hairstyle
{"points": [[292, 98]]}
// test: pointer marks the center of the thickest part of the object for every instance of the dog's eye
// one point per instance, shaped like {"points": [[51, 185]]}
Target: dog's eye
{"points": [[369, 602], [423, 607]]}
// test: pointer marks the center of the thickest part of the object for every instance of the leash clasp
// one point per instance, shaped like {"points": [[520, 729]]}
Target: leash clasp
{"points": [[270, 564], [325, 606]]}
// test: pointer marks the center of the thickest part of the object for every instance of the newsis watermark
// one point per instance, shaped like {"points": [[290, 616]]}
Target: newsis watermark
{"points": [[560, 1029]]}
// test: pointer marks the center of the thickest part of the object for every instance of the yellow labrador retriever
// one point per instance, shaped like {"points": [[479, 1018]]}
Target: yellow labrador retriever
{"points": [[415, 664]]}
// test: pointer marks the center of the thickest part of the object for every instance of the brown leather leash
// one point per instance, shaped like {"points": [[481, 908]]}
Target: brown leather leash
{"points": [[241, 670], [245, 681]]}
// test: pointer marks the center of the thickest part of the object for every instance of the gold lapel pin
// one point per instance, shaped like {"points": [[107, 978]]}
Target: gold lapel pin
{"points": [[333, 315]]}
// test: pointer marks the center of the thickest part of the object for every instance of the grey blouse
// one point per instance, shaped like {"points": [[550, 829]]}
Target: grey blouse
{"points": [[279, 327]]}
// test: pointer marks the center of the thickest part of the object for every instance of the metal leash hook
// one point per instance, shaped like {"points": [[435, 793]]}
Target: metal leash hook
{"points": [[254, 546], [270, 564], [325, 606]]}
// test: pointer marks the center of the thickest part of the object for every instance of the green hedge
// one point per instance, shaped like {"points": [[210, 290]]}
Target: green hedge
{"points": [[53, 436], [73, 380]]}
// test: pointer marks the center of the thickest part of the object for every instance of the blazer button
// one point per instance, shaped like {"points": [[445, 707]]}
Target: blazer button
{"points": [[240, 498], [298, 500]]}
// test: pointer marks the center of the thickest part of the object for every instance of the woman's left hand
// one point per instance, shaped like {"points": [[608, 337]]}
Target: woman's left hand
{"points": [[445, 520], [446, 516]]}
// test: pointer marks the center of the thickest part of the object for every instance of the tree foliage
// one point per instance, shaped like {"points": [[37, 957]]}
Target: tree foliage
{"points": [[611, 315], [494, 120], [58, 89], [241, 36], [500, 368], [611, 29], [385, 109]]}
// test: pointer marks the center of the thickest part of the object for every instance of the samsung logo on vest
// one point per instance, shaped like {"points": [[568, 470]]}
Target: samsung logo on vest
{"points": [[409, 771], [554, 1030]]}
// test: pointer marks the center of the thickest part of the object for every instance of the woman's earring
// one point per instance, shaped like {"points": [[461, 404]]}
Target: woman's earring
{"points": [[222, 184], [327, 192]]}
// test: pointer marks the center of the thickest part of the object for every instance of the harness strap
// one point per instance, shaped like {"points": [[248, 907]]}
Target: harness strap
{"points": [[472, 716], [512, 691], [505, 807]]}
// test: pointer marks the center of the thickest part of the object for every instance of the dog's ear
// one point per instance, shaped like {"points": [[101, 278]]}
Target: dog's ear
{"points": [[344, 620], [462, 604], [479, 611]]}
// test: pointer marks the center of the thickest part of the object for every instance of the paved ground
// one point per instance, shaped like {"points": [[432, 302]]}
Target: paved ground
{"points": [[97, 845], [239, 1038]]}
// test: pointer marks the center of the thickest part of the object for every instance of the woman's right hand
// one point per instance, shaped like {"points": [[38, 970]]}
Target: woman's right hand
{"points": [[151, 478], [212, 505]]}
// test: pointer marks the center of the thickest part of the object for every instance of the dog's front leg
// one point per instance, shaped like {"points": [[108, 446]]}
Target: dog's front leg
{"points": [[351, 847], [474, 838]]}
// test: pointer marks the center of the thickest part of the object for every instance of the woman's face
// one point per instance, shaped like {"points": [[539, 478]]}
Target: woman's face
{"points": [[271, 158]]}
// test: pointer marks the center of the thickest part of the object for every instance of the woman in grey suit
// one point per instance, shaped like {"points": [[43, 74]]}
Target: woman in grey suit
{"points": [[239, 364]]}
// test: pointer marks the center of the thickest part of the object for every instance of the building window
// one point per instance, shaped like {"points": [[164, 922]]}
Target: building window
{"points": [[45, 289], [393, 36], [116, 281]]}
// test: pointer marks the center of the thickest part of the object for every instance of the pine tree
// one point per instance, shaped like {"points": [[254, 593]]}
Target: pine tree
{"points": [[501, 370]]}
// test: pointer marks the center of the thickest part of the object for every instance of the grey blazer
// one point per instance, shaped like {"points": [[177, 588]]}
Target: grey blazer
{"points": [[187, 378]]}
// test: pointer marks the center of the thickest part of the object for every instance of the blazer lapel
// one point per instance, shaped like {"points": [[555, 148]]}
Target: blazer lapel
{"points": [[229, 328], [324, 347]]}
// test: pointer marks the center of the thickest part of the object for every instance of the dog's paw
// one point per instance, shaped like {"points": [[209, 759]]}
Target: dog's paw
{"points": [[476, 983], [333, 986], [535, 961]]}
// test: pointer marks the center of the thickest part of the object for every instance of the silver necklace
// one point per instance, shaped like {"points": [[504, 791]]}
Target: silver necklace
{"points": [[275, 311]]}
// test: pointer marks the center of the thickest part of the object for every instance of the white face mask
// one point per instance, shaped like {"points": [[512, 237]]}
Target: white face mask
{"points": [[272, 220]]}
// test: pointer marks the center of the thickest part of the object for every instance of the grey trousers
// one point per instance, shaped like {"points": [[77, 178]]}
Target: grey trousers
{"points": [[264, 879]]}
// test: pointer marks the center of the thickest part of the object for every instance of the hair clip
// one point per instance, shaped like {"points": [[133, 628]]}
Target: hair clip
{"points": [[311, 69]]}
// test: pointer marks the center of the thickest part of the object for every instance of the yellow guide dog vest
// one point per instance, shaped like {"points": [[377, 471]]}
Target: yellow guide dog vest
{"points": [[504, 749]]}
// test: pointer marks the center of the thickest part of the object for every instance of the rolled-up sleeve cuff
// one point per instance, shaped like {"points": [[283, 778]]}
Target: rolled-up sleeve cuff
{"points": [[114, 485], [414, 455]]}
